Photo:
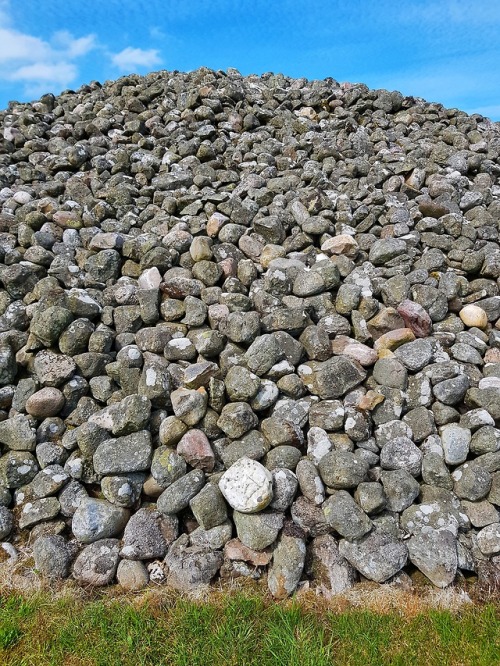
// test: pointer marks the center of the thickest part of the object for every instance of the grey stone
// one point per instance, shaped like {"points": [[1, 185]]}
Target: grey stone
{"points": [[456, 442], [6, 522], [53, 557], [148, 534], [288, 562], [132, 575], [18, 433], [191, 566], [208, 507], [96, 519], [435, 554], [178, 494], [131, 453], [378, 556], [327, 567], [346, 516], [236, 419], [342, 470], [401, 453], [332, 378], [97, 563], [285, 486], [258, 530]]}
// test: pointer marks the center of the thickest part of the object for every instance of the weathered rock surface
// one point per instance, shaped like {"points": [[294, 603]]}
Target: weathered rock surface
{"points": [[249, 326]]}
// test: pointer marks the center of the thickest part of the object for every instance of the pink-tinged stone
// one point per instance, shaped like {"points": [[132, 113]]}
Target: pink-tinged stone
{"points": [[235, 550], [364, 355], [46, 402], [492, 355], [215, 224], [387, 231], [217, 313], [416, 318], [67, 219], [195, 448], [340, 342], [394, 339], [229, 267], [370, 400], [341, 244]]}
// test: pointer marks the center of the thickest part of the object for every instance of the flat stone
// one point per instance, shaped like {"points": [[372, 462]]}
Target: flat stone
{"points": [[131, 453], [288, 562]]}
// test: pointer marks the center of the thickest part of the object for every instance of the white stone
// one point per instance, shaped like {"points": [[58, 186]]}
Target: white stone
{"points": [[455, 441], [318, 444], [149, 279], [247, 486]]}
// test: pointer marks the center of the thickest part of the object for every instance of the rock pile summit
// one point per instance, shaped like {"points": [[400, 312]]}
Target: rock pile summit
{"points": [[249, 326]]}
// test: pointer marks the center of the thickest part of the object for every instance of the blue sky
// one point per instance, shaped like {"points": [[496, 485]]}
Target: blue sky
{"points": [[446, 51]]}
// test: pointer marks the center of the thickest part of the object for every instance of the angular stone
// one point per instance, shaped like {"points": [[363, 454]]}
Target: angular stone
{"points": [[131, 453], [195, 448], [208, 507], [333, 378], [378, 556], [258, 530], [435, 554], [288, 562], [345, 516], [148, 534]]}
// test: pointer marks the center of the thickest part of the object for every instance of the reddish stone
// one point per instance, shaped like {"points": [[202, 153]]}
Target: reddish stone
{"points": [[229, 267], [235, 550], [195, 448], [416, 318]]}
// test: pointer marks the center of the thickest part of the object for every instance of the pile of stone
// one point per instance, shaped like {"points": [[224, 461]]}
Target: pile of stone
{"points": [[249, 327]]}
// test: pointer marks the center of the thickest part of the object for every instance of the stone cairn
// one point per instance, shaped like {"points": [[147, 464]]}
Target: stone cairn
{"points": [[249, 327]]}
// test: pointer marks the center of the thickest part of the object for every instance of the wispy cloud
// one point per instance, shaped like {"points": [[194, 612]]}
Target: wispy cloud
{"points": [[39, 64], [132, 58], [74, 47]]}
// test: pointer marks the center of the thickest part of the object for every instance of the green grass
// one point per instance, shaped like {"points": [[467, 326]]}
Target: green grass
{"points": [[239, 629]]}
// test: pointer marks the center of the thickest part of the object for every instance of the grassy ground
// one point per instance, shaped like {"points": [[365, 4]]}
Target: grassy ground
{"points": [[239, 629]]}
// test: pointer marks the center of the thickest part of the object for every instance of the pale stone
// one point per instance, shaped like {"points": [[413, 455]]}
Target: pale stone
{"points": [[247, 486], [342, 244], [473, 315]]}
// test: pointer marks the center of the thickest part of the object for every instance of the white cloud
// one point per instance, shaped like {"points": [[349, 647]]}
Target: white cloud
{"points": [[16, 45], [73, 47], [39, 64], [61, 73], [130, 58]]}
